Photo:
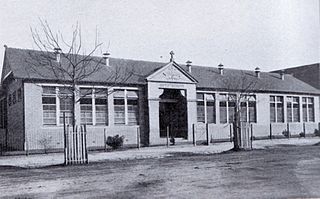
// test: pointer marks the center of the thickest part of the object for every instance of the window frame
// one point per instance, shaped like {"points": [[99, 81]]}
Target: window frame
{"points": [[277, 102], [125, 106], [290, 105], [230, 108], [306, 102], [205, 103]]}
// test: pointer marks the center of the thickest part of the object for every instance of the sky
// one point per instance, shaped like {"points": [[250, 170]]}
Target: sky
{"points": [[242, 34]]}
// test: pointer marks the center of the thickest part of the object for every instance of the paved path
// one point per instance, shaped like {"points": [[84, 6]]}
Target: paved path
{"points": [[41, 160]]}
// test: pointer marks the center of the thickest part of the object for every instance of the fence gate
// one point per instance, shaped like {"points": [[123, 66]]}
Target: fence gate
{"points": [[245, 136], [75, 145]]}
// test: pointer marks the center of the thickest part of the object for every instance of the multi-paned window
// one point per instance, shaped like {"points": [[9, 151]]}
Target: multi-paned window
{"points": [[10, 100], [228, 106], [206, 112], [133, 109], [19, 93], [66, 104], [126, 109], [293, 109], [86, 106], [94, 106], [276, 109], [119, 107], [14, 97], [248, 109], [101, 105], [308, 109], [3, 113], [49, 105], [57, 103]]}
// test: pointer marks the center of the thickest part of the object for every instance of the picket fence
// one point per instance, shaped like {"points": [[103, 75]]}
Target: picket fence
{"points": [[75, 145]]}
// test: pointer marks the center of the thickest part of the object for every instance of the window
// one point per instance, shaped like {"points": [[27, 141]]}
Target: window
{"points": [[49, 105], [57, 101], [10, 100], [243, 112], [14, 97], [308, 109], [211, 111], [126, 109], [227, 108], [133, 111], [293, 110], [66, 106], [86, 106], [200, 108], [206, 112], [119, 107], [101, 103], [3, 113], [252, 111], [248, 109], [223, 108], [276, 109], [19, 94]]}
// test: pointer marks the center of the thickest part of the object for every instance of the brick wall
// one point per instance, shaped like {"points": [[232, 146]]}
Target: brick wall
{"points": [[15, 116]]}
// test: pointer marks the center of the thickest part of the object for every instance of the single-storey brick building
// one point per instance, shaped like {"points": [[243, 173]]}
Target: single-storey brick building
{"points": [[154, 97]]}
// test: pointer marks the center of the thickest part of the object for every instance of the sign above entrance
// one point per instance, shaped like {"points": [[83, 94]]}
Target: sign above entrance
{"points": [[171, 72]]}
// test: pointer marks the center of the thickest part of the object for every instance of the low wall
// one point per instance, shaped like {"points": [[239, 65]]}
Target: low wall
{"points": [[223, 132], [217, 132], [95, 136]]}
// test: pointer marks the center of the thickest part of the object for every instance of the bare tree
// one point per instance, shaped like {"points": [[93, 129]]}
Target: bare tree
{"points": [[69, 64], [242, 87]]}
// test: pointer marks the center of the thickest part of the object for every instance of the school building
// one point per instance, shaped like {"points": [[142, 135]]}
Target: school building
{"points": [[153, 98]]}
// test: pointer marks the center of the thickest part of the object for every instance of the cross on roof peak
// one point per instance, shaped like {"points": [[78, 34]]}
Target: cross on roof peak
{"points": [[171, 56]]}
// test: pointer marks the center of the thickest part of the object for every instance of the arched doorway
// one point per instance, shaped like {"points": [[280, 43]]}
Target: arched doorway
{"points": [[173, 114]]}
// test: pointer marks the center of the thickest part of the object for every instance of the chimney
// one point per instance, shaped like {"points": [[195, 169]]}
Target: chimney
{"points": [[257, 71], [57, 52], [282, 74], [220, 67], [189, 65], [106, 56]]}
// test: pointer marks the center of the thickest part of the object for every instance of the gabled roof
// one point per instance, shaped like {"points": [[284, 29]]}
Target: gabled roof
{"points": [[207, 77], [172, 72]]}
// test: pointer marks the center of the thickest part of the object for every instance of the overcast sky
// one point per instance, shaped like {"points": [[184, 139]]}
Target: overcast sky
{"points": [[243, 34]]}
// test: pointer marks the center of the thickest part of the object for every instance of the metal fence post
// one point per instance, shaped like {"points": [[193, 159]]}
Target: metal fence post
{"points": [[105, 139], [230, 129], [251, 138], [270, 131], [288, 129], [207, 134], [138, 137], [304, 129], [65, 138], [194, 135], [167, 136]]}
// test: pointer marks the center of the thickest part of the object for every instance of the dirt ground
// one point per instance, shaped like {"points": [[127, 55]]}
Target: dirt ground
{"points": [[282, 171]]}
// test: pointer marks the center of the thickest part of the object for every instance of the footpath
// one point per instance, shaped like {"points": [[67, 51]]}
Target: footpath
{"points": [[42, 160]]}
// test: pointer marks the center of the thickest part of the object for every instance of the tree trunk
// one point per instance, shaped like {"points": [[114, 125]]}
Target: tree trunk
{"points": [[237, 127]]}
